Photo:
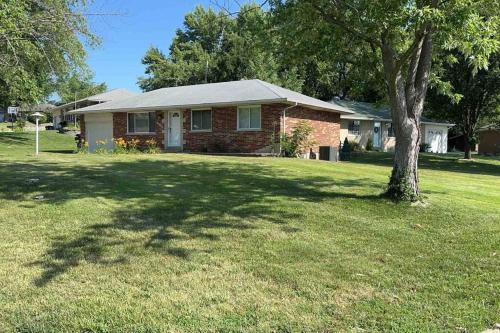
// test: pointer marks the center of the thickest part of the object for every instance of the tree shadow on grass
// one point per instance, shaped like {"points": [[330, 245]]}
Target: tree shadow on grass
{"points": [[13, 139], [165, 203], [429, 161], [59, 151]]}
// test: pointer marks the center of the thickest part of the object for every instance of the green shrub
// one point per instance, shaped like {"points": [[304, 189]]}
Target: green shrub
{"points": [[356, 147], [101, 147], [83, 149], [152, 147], [369, 144], [345, 151], [425, 147], [133, 146], [299, 141], [20, 125], [120, 146]]}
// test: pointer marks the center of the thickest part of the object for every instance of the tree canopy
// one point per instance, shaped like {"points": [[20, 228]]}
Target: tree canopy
{"points": [[78, 85], [399, 39], [40, 42], [471, 96], [215, 47]]}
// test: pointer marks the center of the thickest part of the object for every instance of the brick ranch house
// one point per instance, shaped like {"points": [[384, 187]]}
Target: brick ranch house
{"points": [[245, 116]]}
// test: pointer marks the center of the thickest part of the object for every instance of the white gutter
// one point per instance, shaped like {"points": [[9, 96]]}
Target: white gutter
{"points": [[284, 115]]}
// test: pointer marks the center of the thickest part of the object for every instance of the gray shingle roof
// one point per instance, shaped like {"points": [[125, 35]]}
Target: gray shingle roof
{"points": [[112, 95], [371, 111], [212, 94]]}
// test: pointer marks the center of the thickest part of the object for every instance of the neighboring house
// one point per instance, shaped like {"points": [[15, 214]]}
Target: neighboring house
{"points": [[371, 122], [60, 112], [24, 111], [457, 143], [489, 140], [245, 116]]}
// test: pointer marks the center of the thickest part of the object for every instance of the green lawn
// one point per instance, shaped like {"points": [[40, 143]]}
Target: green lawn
{"points": [[178, 242]]}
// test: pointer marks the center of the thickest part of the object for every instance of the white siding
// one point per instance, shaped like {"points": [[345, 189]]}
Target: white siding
{"points": [[437, 137], [99, 127]]}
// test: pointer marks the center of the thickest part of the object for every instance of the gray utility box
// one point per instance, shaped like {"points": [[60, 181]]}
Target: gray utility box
{"points": [[329, 153]]}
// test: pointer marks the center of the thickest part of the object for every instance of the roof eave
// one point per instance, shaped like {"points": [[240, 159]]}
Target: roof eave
{"points": [[320, 108], [182, 106], [357, 117]]}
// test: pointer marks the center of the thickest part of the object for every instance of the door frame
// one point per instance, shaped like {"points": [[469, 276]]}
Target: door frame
{"points": [[167, 129], [379, 134]]}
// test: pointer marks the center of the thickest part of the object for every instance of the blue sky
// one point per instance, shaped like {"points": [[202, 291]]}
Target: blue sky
{"points": [[127, 36]]}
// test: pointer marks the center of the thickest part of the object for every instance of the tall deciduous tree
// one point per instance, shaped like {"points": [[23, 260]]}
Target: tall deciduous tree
{"points": [[214, 47], [40, 41], [403, 35], [78, 85], [467, 96]]}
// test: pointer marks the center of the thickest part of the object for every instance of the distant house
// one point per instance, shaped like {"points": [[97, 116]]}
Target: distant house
{"points": [[245, 116], [489, 140], [371, 122], [24, 111], [60, 112]]}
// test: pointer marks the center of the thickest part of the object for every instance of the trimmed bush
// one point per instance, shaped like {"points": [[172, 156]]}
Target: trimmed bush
{"points": [[299, 142], [345, 151], [369, 144]]}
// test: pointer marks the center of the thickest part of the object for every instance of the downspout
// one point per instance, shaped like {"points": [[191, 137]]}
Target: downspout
{"points": [[284, 119]]}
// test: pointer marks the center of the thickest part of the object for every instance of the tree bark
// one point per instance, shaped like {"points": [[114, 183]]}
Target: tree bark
{"points": [[404, 182], [406, 97], [467, 148]]}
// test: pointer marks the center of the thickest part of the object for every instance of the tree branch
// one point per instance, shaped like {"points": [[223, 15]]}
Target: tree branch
{"points": [[335, 19]]}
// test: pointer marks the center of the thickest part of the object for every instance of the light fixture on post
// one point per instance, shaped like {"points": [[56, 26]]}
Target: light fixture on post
{"points": [[37, 116]]}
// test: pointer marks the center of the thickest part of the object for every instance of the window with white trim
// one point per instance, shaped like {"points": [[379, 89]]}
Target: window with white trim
{"points": [[353, 128], [141, 122], [201, 120], [249, 117]]}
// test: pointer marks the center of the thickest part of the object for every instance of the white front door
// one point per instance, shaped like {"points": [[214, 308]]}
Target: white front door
{"points": [[377, 135], [174, 128]]}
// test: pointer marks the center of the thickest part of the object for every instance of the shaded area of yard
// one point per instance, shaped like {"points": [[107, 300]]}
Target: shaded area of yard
{"points": [[178, 242], [448, 162], [161, 197]]}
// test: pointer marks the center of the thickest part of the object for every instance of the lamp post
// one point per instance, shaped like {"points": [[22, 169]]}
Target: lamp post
{"points": [[37, 116]]}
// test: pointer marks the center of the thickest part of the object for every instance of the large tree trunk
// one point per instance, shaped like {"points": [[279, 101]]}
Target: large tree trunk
{"points": [[467, 147], [403, 184], [406, 97]]}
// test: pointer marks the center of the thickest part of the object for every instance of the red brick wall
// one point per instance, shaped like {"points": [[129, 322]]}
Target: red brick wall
{"points": [[225, 137], [489, 142], [120, 129], [326, 125]]}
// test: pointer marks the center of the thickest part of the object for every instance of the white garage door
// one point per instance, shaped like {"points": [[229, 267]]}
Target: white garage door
{"points": [[437, 138], [99, 127]]}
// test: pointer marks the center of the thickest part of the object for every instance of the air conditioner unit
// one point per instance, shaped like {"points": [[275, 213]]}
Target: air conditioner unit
{"points": [[329, 153]]}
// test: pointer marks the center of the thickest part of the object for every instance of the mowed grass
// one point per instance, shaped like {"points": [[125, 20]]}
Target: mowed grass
{"points": [[189, 243]]}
